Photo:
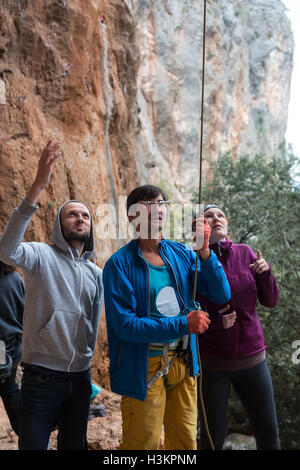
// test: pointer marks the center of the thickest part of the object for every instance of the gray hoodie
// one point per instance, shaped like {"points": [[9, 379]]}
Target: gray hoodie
{"points": [[63, 295]]}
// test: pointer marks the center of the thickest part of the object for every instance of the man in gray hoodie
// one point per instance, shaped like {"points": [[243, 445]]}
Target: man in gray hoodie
{"points": [[63, 299]]}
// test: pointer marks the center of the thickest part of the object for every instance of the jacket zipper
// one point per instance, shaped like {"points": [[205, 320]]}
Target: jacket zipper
{"points": [[236, 325], [149, 303], [149, 310], [174, 278], [80, 292]]}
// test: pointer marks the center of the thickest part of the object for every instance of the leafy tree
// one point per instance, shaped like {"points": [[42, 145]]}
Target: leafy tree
{"points": [[261, 199]]}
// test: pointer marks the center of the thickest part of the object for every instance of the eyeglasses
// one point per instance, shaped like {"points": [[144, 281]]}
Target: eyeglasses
{"points": [[157, 203]]}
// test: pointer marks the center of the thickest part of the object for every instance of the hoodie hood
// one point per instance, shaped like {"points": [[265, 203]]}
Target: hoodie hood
{"points": [[59, 240]]}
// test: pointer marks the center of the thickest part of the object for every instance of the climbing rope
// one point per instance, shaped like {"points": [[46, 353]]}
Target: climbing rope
{"points": [[200, 378], [201, 132]]}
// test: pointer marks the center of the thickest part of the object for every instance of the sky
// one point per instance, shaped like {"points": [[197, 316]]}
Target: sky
{"points": [[293, 132]]}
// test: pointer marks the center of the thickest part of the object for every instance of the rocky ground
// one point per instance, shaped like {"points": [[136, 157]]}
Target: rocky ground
{"points": [[104, 433]]}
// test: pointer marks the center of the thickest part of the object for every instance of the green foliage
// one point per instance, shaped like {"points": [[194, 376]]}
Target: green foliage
{"points": [[262, 203]]}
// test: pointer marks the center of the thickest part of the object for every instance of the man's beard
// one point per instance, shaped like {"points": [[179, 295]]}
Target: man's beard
{"points": [[76, 237]]}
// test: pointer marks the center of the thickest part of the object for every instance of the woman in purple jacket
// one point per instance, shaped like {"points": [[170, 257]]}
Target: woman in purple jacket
{"points": [[233, 347]]}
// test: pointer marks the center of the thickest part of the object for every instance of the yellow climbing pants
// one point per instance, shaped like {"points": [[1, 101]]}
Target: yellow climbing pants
{"points": [[171, 403]]}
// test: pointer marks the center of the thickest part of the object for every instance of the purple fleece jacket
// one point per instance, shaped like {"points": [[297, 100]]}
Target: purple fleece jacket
{"points": [[245, 337]]}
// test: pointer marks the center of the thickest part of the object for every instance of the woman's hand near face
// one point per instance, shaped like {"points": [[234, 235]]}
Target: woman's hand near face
{"points": [[202, 231]]}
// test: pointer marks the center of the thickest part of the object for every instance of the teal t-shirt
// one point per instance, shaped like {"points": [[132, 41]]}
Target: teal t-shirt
{"points": [[163, 300]]}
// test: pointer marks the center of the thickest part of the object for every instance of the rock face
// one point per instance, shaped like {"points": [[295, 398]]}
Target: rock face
{"points": [[68, 72], [118, 83], [249, 49]]}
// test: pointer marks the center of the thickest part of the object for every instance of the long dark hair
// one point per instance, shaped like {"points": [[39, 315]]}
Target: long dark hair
{"points": [[5, 269]]}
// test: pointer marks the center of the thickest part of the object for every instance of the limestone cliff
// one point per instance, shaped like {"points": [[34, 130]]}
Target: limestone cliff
{"points": [[249, 49], [118, 82]]}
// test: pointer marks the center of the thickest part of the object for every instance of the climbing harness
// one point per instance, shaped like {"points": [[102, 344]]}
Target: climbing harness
{"points": [[180, 351]]}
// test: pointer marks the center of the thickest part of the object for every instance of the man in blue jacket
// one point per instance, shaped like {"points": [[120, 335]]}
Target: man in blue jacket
{"points": [[148, 284]]}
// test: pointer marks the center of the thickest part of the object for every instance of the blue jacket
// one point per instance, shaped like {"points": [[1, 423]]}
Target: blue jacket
{"points": [[127, 304]]}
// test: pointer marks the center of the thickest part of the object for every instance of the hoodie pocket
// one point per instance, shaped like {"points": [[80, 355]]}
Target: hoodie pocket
{"points": [[84, 337], [58, 336]]}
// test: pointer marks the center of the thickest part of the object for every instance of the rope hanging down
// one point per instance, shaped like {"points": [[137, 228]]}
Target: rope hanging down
{"points": [[199, 202], [201, 133]]}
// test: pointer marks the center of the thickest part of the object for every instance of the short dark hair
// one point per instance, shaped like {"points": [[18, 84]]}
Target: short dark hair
{"points": [[5, 269], [147, 192]]}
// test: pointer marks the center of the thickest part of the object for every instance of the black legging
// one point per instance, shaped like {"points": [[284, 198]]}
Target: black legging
{"points": [[255, 390]]}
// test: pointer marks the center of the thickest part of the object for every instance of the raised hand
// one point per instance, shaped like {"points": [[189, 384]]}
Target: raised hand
{"points": [[48, 157], [202, 231], [260, 265]]}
